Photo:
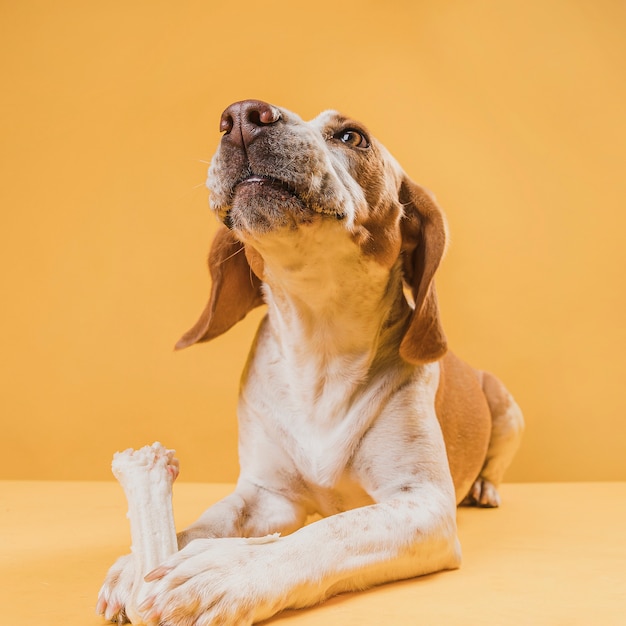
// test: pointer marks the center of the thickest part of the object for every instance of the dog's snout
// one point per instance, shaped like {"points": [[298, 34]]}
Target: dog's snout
{"points": [[242, 122]]}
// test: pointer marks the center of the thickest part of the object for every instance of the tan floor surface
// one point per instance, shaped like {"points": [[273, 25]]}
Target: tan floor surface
{"points": [[554, 554]]}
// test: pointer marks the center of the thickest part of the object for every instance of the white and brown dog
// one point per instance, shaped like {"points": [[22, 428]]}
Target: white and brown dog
{"points": [[351, 406]]}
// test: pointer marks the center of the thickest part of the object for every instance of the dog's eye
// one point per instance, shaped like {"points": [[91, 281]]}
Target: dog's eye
{"points": [[352, 137]]}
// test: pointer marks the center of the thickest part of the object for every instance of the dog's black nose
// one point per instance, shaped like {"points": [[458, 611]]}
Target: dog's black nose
{"points": [[242, 122]]}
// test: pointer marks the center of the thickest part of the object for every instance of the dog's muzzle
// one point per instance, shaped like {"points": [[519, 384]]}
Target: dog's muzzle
{"points": [[271, 171]]}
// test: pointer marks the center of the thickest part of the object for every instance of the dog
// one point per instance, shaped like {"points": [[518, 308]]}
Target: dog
{"points": [[351, 405]]}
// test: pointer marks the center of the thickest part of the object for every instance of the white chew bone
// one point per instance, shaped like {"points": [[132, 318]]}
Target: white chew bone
{"points": [[146, 476]]}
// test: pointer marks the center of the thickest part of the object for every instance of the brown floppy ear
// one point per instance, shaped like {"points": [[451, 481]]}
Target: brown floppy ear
{"points": [[423, 229], [235, 290]]}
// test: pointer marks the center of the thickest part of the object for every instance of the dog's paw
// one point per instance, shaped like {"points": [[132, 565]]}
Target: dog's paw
{"points": [[483, 494], [227, 581], [116, 590]]}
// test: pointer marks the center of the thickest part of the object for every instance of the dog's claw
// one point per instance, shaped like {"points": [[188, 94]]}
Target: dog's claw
{"points": [[483, 494]]}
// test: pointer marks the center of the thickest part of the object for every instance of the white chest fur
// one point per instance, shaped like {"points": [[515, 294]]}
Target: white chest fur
{"points": [[310, 383]]}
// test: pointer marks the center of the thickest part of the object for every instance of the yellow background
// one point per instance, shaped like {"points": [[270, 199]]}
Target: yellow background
{"points": [[513, 113]]}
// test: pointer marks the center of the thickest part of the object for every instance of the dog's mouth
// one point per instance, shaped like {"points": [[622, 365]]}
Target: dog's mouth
{"points": [[261, 202], [266, 183]]}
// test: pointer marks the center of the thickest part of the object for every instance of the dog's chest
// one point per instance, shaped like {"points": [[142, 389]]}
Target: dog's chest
{"points": [[313, 416], [322, 428]]}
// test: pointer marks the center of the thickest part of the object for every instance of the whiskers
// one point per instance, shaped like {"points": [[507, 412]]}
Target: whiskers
{"points": [[234, 254], [240, 250]]}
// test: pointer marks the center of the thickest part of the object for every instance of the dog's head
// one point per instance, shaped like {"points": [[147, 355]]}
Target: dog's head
{"points": [[274, 173]]}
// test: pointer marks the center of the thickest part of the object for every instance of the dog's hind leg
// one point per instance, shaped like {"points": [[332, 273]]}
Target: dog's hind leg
{"points": [[507, 426]]}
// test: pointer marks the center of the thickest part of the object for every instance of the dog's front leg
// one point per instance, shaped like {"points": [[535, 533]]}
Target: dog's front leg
{"points": [[241, 581], [250, 511]]}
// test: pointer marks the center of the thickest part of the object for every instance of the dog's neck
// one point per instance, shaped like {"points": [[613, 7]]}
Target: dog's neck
{"points": [[328, 300], [335, 321]]}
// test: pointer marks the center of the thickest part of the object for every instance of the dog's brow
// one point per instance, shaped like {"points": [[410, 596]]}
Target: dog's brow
{"points": [[346, 122], [340, 119]]}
